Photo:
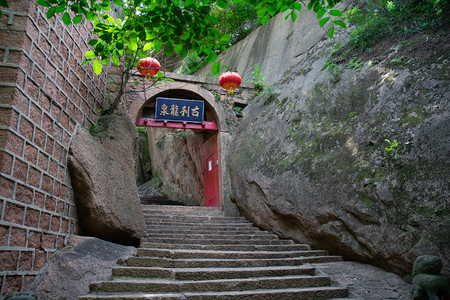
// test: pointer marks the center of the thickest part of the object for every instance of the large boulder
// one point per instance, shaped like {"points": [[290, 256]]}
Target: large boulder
{"points": [[312, 162], [102, 170], [176, 159], [84, 260]]}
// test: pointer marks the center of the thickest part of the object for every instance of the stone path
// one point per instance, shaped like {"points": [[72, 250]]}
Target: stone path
{"points": [[365, 281]]}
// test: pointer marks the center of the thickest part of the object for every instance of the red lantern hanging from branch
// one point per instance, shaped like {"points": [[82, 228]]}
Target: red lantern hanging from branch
{"points": [[230, 81], [148, 66]]}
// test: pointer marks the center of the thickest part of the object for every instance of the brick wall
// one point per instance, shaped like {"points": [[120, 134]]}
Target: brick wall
{"points": [[45, 94]]}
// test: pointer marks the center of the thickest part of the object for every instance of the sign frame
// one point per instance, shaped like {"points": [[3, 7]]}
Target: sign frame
{"points": [[179, 110]]}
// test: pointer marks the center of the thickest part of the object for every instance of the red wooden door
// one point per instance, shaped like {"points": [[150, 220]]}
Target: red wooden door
{"points": [[210, 159]]}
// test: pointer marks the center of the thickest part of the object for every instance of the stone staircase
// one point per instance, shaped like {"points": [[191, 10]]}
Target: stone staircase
{"points": [[198, 253]]}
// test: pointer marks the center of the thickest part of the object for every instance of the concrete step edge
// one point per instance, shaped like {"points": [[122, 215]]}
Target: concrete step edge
{"points": [[254, 247], [316, 293]]}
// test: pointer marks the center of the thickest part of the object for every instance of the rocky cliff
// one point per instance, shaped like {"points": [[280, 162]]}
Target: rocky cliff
{"points": [[353, 159], [176, 159]]}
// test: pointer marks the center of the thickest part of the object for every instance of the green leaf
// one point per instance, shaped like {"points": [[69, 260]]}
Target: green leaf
{"points": [[77, 19], [60, 8], [97, 66], [118, 2], [331, 32], [284, 8], [66, 19], [293, 16], [216, 68], [212, 57], [335, 13], [40, 2], [205, 50], [168, 49], [184, 52], [261, 12], [147, 46], [213, 20], [222, 4], [178, 48], [115, 60], [340, 23], [140, 54], [157, 44], [92, 42], [321, 13], [132, 45], [90, 54], [51, 12], [317, 7], [265, 19], [86, 61], [323, 21], [297, 6], [225, 38]]}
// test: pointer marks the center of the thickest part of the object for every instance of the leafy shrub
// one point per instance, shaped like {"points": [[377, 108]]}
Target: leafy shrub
{"points": [[378, 19]]}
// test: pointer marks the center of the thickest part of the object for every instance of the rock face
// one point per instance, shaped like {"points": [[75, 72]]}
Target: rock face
{"points": [[82, 261], [176, 159], [310, 162], [102, 170]]}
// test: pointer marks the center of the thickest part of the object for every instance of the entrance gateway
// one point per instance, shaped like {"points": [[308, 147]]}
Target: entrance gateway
{"points": [[189, 114]]}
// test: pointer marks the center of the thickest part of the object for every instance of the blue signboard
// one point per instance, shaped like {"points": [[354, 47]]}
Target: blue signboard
{"points": [[179, 110]]}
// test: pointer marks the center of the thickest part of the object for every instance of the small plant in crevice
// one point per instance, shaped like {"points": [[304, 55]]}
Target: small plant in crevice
{"points": [[217, 96], [354, 63], [100, 128], [392, 149], [352, 116], [238, 110], [270, 93], [268, 90], [331, 65], [257, 79]]}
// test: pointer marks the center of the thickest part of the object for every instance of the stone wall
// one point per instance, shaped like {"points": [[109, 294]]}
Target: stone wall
{"points": [[45, 95]]}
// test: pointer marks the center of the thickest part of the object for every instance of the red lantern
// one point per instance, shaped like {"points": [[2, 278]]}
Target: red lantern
{"points": [[230, 81], [148, 66]]}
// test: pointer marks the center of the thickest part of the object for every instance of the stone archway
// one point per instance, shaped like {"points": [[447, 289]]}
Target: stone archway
{"points": [[214, 112]]}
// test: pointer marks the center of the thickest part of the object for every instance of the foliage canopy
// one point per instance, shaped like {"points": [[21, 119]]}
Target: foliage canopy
{"points": [[174, 26]]}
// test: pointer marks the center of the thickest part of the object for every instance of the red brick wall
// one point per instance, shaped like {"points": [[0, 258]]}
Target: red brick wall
{"points": [[45, 94]]}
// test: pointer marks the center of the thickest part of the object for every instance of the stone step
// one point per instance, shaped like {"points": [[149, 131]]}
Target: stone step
{"points": [[209, 225], [314, 293], [219, 241], [227, 247], [217, 231], [198, 253], [182, 210], [194, 217], [157, 200], [195, 221], [221, 285], [191, 226], [153, 252], [210, 273], [190, 218], [201, 236], [225, 263]]}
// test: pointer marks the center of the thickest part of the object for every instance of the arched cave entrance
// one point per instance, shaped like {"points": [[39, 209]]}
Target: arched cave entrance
{"points": [[211, 142]]}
